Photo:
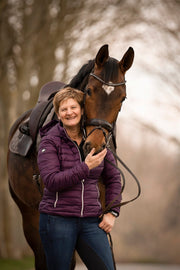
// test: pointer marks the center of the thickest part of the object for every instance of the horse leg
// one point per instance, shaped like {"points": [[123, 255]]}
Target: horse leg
{"points": [[30, 218], [31, 232]]}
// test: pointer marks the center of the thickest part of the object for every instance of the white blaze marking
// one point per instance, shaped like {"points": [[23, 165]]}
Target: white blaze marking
{"points": [[108, 89]]}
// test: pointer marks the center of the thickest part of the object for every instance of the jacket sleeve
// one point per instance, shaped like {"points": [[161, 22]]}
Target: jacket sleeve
{"points": [[112, 180], [49, 166]]}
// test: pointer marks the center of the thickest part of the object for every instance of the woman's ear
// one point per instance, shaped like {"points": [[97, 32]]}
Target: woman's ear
{"points": [[58, 116]]}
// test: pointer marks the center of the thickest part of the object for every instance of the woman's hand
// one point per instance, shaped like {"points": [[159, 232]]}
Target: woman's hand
{"points": [[107, 223], [94, 161]]}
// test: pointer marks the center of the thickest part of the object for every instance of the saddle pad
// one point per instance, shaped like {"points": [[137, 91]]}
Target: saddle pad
{"points": [[20, 143]]}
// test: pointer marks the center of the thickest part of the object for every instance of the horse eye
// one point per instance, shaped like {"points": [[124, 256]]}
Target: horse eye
{"points": [[88, 91]]}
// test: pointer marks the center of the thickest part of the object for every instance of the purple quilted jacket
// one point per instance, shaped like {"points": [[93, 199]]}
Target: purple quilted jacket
{"points": [[71, 189]]}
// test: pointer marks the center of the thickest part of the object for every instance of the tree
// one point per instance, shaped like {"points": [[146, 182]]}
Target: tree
{"points": [[50, 40]]}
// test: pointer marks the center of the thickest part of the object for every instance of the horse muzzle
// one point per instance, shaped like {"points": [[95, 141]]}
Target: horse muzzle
{"points": [[99, 135]]}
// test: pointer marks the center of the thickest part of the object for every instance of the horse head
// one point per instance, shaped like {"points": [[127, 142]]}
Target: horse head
{"points": [[105, 92]]}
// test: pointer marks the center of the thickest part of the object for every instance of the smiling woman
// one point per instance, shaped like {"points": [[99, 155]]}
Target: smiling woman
{"points": [[68, 105], [70, 210], [70, 114]]}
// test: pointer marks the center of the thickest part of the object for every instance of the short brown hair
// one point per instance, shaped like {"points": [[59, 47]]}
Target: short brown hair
{"points": [[66, 93]]}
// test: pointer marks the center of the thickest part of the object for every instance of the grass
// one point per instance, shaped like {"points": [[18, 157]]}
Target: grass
{"points": [[12, 264]]}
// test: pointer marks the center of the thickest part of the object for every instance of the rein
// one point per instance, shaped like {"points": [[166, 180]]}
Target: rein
{"points": [[111, 204], [104, 125]]}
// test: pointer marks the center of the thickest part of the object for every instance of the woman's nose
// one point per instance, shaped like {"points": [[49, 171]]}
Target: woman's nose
{"points": [[69, 111]]}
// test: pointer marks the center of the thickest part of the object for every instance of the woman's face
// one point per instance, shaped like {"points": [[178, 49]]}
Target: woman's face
{"points": [[70, 113]]}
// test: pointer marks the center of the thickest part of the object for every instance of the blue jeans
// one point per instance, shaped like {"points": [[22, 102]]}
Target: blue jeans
{"points": [[62, 235]]}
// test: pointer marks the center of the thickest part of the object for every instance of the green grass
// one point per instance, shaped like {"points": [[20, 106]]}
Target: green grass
{"points": [[11, 264]]}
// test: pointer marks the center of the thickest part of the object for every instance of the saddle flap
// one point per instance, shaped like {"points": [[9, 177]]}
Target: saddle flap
{"points": [[20, 143], [24, 145]]}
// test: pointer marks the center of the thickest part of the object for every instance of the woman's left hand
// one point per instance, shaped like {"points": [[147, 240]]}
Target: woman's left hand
{"points": [[107, 222]]}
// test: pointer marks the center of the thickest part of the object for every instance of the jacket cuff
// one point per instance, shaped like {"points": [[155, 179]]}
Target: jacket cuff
{"points": [[86, 168]]}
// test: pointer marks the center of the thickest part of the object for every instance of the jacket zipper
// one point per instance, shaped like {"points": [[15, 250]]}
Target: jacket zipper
{"points": [[82, 185], [82, 181], [82, 197], [56, 199], [98, 194]]}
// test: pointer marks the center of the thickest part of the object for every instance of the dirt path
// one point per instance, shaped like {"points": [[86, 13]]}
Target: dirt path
{"points": [[139, 267]]}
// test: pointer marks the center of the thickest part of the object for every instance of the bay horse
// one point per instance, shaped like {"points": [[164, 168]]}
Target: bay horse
{"points": [[103, 82]]}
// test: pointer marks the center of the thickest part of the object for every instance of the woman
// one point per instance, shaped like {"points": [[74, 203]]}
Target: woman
{"points": [[70, 209]]}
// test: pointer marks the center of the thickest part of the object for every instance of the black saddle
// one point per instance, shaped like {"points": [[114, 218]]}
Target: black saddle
{"points": [[43, 106], [27, 133]]}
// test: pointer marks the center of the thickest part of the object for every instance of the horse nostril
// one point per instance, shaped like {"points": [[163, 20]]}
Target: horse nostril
{"points": [[87, 148], [103, 146]]}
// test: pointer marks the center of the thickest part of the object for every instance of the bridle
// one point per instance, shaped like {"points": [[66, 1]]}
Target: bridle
{"points": [[100, 123], [105, 125]]}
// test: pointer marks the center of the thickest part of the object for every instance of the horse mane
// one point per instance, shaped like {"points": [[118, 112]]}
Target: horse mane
{"points": [[79, 81]]}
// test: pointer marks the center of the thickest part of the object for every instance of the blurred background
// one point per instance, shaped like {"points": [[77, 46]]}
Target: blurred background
{"points": [[47, 40]]}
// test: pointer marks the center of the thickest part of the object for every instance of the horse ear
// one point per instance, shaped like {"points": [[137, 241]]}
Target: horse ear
{"points": [[102, 55], [127, 60]]}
